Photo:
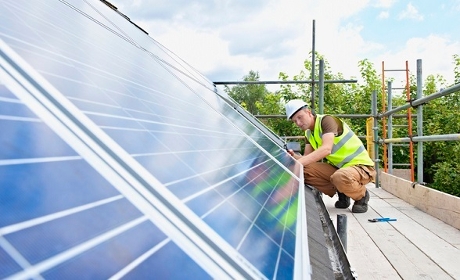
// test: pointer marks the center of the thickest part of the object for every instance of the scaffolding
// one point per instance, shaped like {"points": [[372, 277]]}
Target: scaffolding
{"points": [[419, 138], [388, 112]]}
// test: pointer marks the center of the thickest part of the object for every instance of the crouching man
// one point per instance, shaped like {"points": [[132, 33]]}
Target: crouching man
{"points": [[348, 167]]}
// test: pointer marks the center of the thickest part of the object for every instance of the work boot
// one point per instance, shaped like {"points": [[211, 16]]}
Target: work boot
{"points": [[360, 206], [343, 202]]}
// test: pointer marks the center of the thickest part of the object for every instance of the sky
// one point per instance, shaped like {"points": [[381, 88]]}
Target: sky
{"points": [[225, 39]]}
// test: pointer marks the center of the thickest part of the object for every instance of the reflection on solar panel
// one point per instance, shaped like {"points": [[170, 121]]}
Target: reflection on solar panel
{"points": [[117, 159]]}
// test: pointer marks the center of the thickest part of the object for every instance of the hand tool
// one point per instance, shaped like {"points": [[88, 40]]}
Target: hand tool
{"points": [[382, 219]]}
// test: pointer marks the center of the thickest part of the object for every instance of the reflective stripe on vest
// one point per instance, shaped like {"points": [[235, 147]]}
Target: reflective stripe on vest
{"points": [[348, 150]]}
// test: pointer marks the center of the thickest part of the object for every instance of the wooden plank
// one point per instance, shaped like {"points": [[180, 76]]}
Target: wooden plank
{"points": [[436, 226], [365, 258], [410, 248], [424, 233], [438, 204], [403, 255]]}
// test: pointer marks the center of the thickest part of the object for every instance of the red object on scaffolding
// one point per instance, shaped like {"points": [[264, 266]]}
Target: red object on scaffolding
{"points": [[409, 122]]}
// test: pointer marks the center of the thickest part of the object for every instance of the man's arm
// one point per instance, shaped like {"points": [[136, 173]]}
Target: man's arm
{"points": [[308, 149], [331, 127], [323, 151]]}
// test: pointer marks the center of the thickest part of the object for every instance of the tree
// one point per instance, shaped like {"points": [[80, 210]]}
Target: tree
{"points": [[457, 68], [273, 105], [248, 95], [441, 117]]}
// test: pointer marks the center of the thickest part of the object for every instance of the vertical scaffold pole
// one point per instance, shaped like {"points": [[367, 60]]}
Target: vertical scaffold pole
{"points": [[384, 125], [376, 138], [321, 87], [313, 70], [409, 128], [419, 122], [390, 129]]}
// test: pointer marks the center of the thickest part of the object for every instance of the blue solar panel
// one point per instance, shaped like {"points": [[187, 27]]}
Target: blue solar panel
{"points": [[117, 159]]}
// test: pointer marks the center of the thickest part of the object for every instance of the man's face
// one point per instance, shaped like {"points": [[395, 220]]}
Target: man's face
{"points": [[303, 119]]}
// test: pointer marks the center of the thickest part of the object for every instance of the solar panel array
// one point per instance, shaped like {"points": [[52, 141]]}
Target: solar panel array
{"points": [[118, 160]]}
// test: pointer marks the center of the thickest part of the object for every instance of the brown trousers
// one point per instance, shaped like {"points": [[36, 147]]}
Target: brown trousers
{"points": [[329, 179]]}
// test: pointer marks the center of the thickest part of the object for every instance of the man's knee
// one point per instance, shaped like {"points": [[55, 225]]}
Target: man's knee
{"points": [[309, 169], [319, 169], [341, 177]]}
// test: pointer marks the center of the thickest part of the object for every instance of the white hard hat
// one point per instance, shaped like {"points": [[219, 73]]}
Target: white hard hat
{"points": [[293, 106]]}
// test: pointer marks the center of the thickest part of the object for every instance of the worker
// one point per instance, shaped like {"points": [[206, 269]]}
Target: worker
{"points": [[347, 167]]}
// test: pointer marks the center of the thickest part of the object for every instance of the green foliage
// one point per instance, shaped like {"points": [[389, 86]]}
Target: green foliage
{"points": [[448, 177], [271, 105], [248, 95], [457, 68], [257, 100], [441, 116]]}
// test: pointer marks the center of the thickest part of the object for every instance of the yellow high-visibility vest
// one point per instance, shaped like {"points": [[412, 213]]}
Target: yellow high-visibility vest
{"points": [[348, 150]]}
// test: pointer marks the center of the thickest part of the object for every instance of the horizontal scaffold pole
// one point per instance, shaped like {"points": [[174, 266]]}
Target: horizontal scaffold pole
{"points": [[423, 100], [345, 116], [280, 82], [428, 138]]}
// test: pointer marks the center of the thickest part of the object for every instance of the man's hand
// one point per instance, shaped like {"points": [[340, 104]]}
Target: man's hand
{"points": [[293, 154]]}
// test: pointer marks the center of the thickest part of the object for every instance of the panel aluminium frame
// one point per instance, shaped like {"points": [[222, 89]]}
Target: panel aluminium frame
{"points": [[302, 265], [188, 231], [131, 179]]}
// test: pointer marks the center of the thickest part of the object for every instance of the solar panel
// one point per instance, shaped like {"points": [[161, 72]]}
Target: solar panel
{"points": [[117, 159]]}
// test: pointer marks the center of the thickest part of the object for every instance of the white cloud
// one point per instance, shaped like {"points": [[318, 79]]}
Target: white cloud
{"points": [[384, 15], [384, 3], [427, 49], [273, 36], [411, 12]]}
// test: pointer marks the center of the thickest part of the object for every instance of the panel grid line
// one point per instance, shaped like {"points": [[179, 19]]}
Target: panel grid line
{"points": [[10, 100], [44, 219], [5, 162], [253, 221], [204, 173], [213, 186], [139, 260], [77, 250], [21, 119], [22, 262]]}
